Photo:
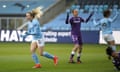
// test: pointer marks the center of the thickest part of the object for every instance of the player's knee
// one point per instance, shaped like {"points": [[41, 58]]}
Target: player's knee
{"points": [[32, 50], [77, 46], [41, 54]]}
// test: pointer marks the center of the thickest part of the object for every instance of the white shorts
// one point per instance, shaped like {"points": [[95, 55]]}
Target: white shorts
{"points": [[40, 42], [108, 37]]}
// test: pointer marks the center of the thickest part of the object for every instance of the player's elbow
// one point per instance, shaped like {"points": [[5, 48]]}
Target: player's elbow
{"points": [[87, 20]]}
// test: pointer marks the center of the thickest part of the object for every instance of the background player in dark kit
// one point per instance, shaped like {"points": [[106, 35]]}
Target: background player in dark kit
{"points": [[116, 57]]}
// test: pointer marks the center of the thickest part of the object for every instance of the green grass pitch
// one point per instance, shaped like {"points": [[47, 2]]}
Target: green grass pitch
{"points": [[16, 57]]}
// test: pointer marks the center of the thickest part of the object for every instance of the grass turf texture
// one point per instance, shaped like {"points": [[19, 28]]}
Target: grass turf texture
{"points": [[15, 57]]}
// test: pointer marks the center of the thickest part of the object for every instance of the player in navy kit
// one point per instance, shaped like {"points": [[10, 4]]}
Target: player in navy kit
{"points": [[75, 22], [116, 57]]}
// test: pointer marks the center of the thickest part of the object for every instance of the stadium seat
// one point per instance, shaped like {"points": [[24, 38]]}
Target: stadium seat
{"points": [[115, 6], [81, 10], [59, 22], [86, 7], [105, 7]]}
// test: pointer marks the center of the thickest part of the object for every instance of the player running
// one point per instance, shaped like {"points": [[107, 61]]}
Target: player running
{"points": [[105, 25], [38, 40], [75, 22]]}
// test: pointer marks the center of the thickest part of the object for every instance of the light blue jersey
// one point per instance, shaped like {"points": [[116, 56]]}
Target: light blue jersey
{"points": [[34, 29], [105, 24]]}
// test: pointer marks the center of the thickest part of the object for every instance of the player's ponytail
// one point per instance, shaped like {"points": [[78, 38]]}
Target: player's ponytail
{"points": [[37, 12]]}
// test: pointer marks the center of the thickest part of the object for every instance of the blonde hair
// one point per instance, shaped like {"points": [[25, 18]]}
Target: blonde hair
{"points": [[37, 12]]}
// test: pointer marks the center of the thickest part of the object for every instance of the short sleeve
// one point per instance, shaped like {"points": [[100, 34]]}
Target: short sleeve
{"points": [[110, 19]]}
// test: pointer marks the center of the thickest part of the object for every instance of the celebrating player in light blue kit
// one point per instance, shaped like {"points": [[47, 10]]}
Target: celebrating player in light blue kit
{"points": [[105, 25], [38, 40]]}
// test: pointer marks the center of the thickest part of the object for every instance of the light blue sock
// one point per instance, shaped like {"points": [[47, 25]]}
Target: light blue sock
{"points": [[113, 47], [35, 58], [47, 55]]}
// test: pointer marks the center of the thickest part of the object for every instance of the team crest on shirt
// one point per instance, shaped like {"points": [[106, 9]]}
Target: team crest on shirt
{"points": [[76, 20]]}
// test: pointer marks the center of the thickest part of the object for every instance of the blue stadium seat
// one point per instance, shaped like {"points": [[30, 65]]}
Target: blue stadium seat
{"points": [[91, 10], [86, 7], [115, 6], [105, 7], [95, 9], [91, 6], [81, 10], [96, 6], [100, 9], [78, 6], [73, 7], [59, 22]]}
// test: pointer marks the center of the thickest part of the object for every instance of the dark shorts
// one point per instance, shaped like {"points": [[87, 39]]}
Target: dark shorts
{"points": [[77, 39]]}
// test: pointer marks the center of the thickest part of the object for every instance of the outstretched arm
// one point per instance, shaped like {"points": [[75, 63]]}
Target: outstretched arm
{"points": [[116, 15], [96, 23], [67, 19], [89, 17], [27, 33], [22, 26]]}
